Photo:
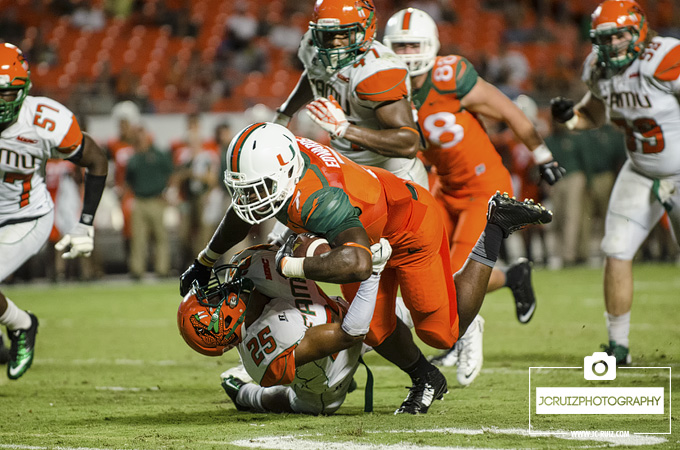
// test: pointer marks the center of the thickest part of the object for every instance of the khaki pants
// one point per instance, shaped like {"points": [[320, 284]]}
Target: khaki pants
{"points": [[147, 222]]}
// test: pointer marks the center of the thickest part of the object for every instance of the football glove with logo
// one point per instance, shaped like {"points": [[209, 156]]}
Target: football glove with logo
{"points": [[328, 114]]}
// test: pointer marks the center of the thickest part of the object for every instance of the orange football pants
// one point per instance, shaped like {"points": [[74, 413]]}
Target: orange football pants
{"points": [[420, 267], [464, 213]]}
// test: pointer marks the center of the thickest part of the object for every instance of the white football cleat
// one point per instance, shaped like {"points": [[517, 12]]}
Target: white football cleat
{"points": [[238, 372], [471, 354]]}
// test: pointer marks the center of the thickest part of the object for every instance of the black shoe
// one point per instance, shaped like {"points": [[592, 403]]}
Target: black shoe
{"points": [[22, 349], [231, 386], [423, 392], [512, 215], [4, 352], [522, 290]]}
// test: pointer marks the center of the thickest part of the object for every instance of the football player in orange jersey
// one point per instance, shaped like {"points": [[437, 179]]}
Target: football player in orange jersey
{"points": [[448, 93], [33, 130], [312, 188]]}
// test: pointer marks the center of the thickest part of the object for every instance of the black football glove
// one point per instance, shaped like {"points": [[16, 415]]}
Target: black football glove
{"points": [[551, 172], [285, 250], [196, 271], [562, 109]]}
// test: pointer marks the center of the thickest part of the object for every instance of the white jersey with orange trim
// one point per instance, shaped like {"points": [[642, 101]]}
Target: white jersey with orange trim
{"points": [[45, 129], [378, 76], [643, 101], [267, 345]]}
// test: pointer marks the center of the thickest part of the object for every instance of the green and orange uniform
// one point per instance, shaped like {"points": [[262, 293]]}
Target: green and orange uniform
{"points": [[335, 194], [469, 169]]}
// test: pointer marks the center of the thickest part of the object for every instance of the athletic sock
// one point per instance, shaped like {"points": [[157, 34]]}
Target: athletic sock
{"points": [[618, 327], [420, 368], [250, 395], [488, 245], [15, 318]]}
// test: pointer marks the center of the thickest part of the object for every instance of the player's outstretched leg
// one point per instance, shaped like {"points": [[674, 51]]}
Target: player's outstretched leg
{"points": [[511, 215], [518, 278]]}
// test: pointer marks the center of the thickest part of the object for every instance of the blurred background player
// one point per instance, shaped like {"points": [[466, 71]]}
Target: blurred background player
{"points": [[633, 77], [311, 188], [448, 94], [33, 130], [276, 352]]}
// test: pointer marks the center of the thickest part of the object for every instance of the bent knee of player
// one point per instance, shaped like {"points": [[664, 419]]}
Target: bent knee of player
{"points": [[441, 339], [617, 246]]}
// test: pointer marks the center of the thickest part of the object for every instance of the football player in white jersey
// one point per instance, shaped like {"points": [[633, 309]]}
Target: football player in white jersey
{"points": [[358, 88], [270, 326], [33, 130], [633, 77]]}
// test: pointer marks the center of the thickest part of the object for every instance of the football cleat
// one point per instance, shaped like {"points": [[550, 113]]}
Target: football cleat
{"points": [[471, 353], [423, 392], [21, 349], [447, 359], [232, 385], [4, 352], [238, 372], [621, 353], [522, 290], [511, 215]]}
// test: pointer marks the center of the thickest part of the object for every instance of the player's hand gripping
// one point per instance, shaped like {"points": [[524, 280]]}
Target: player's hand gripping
{"points": [[562, 109], [286, 251], [328, 114], [550, 170], [381, 254], [79, 242], [196, 271]]}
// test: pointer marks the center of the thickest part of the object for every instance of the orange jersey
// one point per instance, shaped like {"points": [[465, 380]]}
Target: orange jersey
{"points": [[458, 145], [335, 194]]}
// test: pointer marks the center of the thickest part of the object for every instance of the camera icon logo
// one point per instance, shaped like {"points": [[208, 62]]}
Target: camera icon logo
{"points": [[599, 366]]}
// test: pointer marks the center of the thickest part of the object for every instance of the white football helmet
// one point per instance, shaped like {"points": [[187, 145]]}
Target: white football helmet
{"points": [[413, 26], [264, 163]]}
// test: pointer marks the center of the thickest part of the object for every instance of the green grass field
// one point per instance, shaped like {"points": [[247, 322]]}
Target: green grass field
{"points": [[112, 372]]}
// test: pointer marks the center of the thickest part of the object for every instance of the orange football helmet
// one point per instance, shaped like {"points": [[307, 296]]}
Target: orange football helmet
{"points": [[353, 18], [210, 317], [15, 77], [613, 18]]}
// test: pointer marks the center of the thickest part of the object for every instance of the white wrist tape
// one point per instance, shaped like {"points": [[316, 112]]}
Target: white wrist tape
{"points": [[571, 123], [357, 321], [293, 267], [542, 154], [208, 257], [342, 129]]}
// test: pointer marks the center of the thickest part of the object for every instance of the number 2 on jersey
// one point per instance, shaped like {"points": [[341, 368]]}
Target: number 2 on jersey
{"points": [[260, 345]]}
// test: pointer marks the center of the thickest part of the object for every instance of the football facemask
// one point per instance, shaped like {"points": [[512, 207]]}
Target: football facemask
{"points": [[14, 82], [334, 20], [614, 19], [413, 26], [210, 317], [264, 164]]}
